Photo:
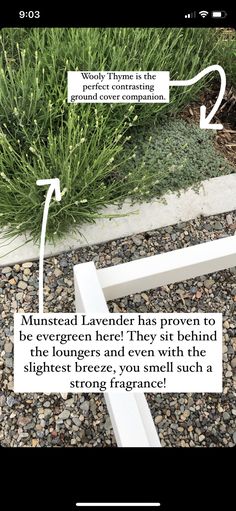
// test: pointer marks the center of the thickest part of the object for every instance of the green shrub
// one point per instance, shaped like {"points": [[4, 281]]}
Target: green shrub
{"points": [[37, 60], [226, 55], [82, 158]]}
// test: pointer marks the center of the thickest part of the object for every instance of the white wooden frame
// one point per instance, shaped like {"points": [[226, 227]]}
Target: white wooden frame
{"points": [[130, 415]]}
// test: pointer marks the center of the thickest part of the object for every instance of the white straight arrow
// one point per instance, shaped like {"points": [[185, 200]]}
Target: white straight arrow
{"points": [[54, 186], [205, 121]]}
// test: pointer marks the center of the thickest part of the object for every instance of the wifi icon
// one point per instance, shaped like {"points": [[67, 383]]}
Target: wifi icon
{"points": [[203, 14]]}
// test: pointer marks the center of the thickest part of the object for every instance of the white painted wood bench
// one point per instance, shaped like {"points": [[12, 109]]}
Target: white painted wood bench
{"points": [[130, 415]]}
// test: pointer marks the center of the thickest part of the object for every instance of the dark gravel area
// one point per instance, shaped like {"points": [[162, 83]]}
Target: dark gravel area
{"points": [[205, 420]]}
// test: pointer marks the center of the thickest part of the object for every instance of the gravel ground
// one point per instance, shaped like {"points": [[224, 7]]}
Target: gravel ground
{"points": [[184, 420]]}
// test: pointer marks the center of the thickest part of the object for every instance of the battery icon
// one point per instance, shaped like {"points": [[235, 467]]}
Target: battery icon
{"points": [[218, 14]]}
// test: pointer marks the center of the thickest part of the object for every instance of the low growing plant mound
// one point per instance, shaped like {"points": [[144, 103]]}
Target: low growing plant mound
{"points": [[176, 154]]}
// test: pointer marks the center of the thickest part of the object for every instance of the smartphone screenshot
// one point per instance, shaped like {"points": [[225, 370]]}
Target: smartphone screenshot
{"points": [[118, 254]]}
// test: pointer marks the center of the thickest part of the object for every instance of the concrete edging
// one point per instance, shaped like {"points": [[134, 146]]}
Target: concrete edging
{"points": [[216, 195]]}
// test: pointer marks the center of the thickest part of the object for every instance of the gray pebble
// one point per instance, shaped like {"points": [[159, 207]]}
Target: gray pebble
{"points": [[208, 283], [69, 403], [233, 362], [218, 226], [8, 347], [137, 241], [6, 270], [65, 414], [47, 413], [57, 272], [158, 419], [2, 400], [10, 401], [85, 406], [22, 284], [9, 363], [63, 263], [116, 260], [76, 421], [27, 265]]}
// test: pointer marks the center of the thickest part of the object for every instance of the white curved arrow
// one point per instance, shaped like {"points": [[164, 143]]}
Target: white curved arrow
{"points": [[54, 187], [205, 121]]}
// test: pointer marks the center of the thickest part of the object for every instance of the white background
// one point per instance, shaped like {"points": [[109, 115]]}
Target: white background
{"points": [[175, 382], [160, 83]]}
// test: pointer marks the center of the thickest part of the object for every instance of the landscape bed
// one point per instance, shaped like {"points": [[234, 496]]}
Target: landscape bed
{"points": [[104, 154], [92, 148]]}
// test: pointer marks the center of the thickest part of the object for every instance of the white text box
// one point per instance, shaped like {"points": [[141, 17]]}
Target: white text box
{"points": [[118, 352], [118, 86]]}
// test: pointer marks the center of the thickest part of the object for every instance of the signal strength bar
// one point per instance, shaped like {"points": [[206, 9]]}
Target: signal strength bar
{"points": [[191, 15]]}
